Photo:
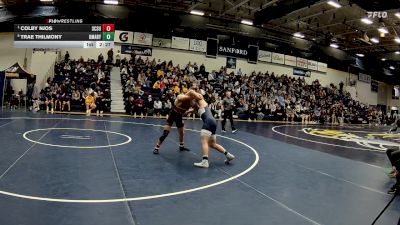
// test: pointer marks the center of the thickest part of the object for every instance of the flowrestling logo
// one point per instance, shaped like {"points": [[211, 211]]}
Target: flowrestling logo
{"points": [[373, 140], [377, 14]]}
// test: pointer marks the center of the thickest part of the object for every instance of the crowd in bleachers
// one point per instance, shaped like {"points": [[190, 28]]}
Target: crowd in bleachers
{"points": [[151, 86], [77, 85]]}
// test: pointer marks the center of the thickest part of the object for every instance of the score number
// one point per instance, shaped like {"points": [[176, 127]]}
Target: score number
{"points": [[108, 28], [108, 32]]}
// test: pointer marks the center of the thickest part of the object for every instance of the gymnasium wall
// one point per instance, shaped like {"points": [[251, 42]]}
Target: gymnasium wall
{"points": [[10, 55]]}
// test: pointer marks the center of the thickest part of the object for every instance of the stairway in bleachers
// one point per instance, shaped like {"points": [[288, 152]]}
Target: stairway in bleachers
{"points": [[117, 98]]}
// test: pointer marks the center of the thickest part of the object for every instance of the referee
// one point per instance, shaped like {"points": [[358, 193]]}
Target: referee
{"points": [[227, 104]]}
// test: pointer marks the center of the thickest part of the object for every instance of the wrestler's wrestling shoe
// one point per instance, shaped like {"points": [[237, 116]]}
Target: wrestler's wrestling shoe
{"points": [[203, 164], [229, 158]]}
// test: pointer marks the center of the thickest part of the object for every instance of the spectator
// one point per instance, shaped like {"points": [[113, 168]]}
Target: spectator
{"points": [[157, 107], [90, 103], [66, 57], [139, 107], [110, 55]]}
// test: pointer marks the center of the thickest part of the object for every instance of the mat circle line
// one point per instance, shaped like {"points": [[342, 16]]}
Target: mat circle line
{"points": [[128, 199], [25, 136]]}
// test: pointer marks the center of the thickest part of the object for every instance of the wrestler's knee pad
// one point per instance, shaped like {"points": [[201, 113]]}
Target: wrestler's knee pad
{"points": [[165, 134]]}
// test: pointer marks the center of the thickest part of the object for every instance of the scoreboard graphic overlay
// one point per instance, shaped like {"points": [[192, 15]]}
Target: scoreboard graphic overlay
{"points": [[64, 33]]}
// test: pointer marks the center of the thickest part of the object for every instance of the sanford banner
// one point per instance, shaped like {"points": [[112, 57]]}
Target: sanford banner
{"points": [[233, 51], [138, 50]]}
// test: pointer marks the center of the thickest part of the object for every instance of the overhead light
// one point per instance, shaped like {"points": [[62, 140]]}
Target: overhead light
{"points": [[46, 0], [299, 35], [334, 3], [383, 59], [366, 21], [248, 22], [397, 52], [374, 40], [391, 67], [111, 2], [360, 55], [383, 30], [334, 45], [197, 12], [397, 15], [397, 39]]}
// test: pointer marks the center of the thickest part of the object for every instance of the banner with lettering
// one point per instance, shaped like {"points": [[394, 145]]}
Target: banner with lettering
{"points": [[198, 45], [301, 72], [142, 38], [302, 63], [278, 58], [322, 67], [138, 50], [264, 56], [364, 77], [290, 60], [162, 42], [312, 65], [180, 43], [232, 51]]}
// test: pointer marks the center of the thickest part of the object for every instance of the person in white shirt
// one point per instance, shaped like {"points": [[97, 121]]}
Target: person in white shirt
{"points": [[124, 71], [167, 106], [157, 107]]}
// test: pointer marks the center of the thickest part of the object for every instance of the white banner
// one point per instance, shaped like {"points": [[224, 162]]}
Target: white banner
{"points": [[323, 67], [312, 65], [123, 37], [162, 42], [290, 60], [198, 45], [142, 38], [180, 43], [364, 77], [278, 58], [264, 56], [302, 63]]}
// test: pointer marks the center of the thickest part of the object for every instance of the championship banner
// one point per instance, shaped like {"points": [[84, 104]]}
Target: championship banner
{"points": [[123, 37], [301, 72], [264, 56], [302, 63], [230, 63], [312, 65], [180, 43], [290, 60], [322, 67], [137, 50], [142, 38], [364, 78], [162, 42], [278, 58], [198, 45]]}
